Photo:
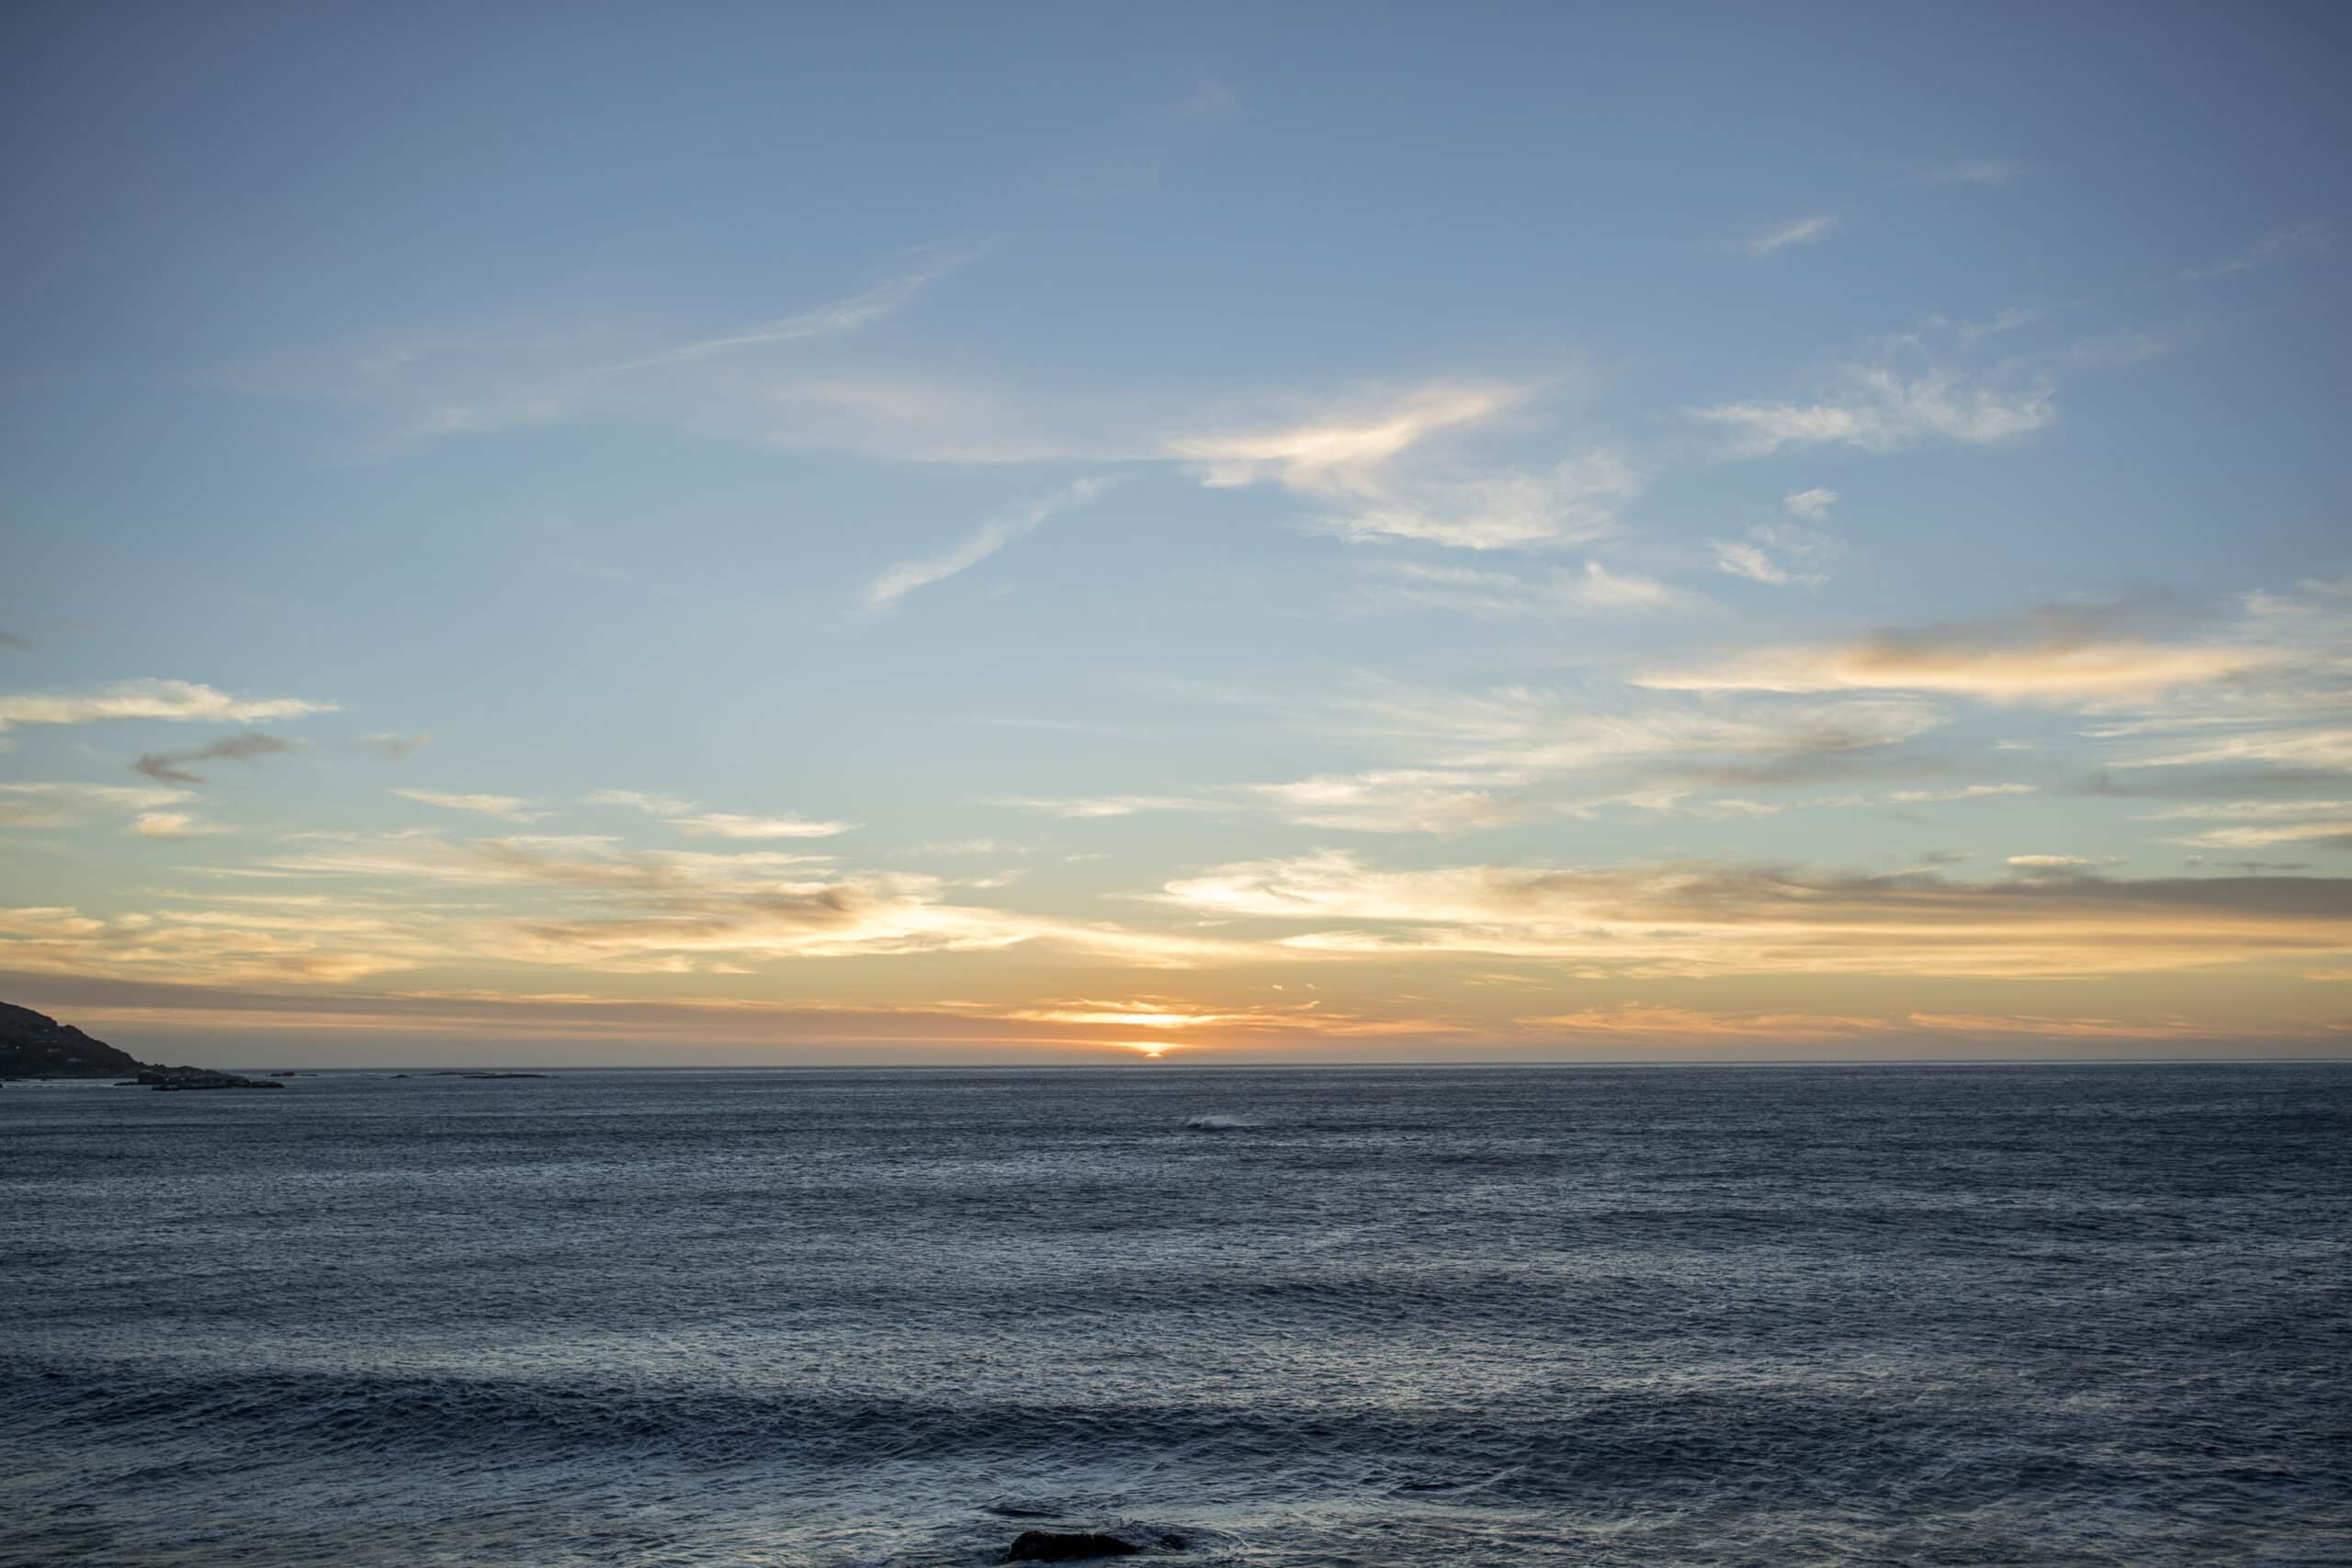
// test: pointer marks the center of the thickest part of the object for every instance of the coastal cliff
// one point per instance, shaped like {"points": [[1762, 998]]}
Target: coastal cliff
{"points": [[35, 1045]]}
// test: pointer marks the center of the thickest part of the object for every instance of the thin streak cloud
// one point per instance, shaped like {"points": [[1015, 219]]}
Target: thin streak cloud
{"points": [[895, 582], [182, 702], [1797, 231]]}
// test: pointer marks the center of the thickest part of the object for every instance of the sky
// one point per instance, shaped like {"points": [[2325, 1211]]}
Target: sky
{"points": [[1097, 535]]}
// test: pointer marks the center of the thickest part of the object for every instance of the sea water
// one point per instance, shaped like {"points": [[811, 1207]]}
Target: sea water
{"points": [[2041, 1314]]}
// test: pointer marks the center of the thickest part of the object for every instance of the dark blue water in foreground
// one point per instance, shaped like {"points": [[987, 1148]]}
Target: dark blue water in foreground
{"points": [[1596, 1316]]}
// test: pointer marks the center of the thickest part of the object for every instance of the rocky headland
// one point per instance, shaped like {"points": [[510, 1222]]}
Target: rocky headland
{"points": [[35, 1045]]}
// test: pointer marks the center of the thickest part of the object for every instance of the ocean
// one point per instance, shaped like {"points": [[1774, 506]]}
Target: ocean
{"points": [[1770, 1315]]}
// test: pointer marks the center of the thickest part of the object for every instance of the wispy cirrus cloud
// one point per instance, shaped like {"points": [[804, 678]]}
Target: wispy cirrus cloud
{"points": [[2259, 824], [1345, 451], [691, 819], [67, 805], [652, 804], [1464, 761], [1965, 792], [178, 701], [1779, 237], [1592, 587], [833, 318], [2093, 653], [446, 385], [738, 825], [2278, 244], [667, 911], [2329, 749], [1880, 409], [1369, 466], [895, 582], [1699, 920], [1778, 555], [513, 807]]}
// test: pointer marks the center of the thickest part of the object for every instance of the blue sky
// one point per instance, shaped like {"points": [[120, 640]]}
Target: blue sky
{"points": [[1046, 533]]}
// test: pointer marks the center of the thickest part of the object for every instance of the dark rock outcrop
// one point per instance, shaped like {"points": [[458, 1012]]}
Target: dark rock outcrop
{"points": [[200, 1078], [1066, 1546], [34, 1045]]}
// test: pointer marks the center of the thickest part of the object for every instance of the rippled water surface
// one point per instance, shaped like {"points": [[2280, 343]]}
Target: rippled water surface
{"points": [[1762, 1315]]}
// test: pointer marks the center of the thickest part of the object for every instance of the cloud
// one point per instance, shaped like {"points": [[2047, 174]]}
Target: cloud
{"points": [[830, 320], [181, 701], [1880, 410], [1662, 1023], [511, 806], [911, 419], [1344, 452], [11, 640], [2297, 238], [312, 947], [2327, 823], [637, 800], [1813, 504], [389, 746], [1388, 800], [2320, 749], [898, 582], [170, 825], [1772, 553], [1653, 1022], [1797, 231], [177, 767], [689, 818], [2061, 1028], [1397, 800], [1967, 792], [1562, 752], [2257, 809], [1572, 501], [460, 385], [1366, 464], [734, 825], [1474, 592], [66, 805], [1084, 807], [2052, 863], [2051, 654], [679, 912], [1699, 920], [1473, 760]]}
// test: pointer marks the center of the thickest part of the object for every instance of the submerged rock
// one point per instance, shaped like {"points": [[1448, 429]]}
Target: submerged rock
{"points": [[1065, 1546], [1023, 1508]]}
